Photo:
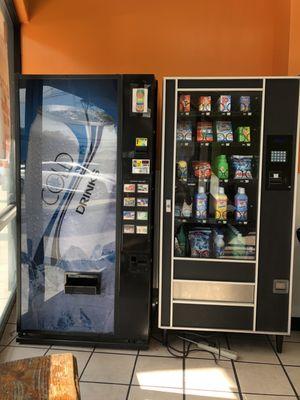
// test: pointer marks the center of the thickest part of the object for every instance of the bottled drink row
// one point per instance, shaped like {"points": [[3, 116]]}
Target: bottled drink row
{"points": [[224, 104], [207, 132], [241, 167], [199, 206], [209, 243]]}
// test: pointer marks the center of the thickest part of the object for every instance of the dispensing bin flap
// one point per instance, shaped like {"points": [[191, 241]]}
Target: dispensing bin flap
{"points": [[82, 283]]}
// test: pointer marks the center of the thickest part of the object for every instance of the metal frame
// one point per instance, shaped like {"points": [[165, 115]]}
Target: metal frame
{"points": [[14, 64], [254, 305]]}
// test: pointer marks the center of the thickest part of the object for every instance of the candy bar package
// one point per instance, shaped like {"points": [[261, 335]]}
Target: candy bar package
{"points": [[242, 166], [224, 131], [204, 131], [243, 134], [142, 202], [245, 103], [224, 103], [129, 202], [182, 170], [205, 103], [186, 210], [185, 103], [202, 169], [200, 243], [184, 131]]}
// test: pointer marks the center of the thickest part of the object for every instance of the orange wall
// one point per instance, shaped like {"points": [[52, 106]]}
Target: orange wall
{"points": [[165, 37], [294, 53]]}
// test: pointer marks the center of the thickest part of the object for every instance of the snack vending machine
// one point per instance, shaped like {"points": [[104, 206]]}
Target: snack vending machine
{"points": [[86, 209], [228, 203]]}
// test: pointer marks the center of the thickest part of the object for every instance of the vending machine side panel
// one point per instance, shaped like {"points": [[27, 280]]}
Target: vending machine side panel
{"points": [[277, 204], [166, 205]]}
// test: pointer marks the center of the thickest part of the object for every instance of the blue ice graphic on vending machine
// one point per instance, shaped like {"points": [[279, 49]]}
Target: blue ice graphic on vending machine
{"points": [[68, 209]]}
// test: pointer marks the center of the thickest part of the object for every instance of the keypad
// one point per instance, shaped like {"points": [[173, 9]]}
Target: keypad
{"points": [[278, 156]]}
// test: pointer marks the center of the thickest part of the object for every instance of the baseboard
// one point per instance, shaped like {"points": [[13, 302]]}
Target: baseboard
{"points": [[295, 323]]}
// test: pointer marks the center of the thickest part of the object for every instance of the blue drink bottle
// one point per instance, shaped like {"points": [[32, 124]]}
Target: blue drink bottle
{"points": [[241, 205]]}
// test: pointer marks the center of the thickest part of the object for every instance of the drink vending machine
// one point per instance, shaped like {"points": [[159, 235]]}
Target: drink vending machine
{"points": [[86, 209], [227, 231]]}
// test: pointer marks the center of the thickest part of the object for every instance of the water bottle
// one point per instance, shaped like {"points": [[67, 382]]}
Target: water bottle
{"points": [[201, 203], [219, 245], [241, 205]]}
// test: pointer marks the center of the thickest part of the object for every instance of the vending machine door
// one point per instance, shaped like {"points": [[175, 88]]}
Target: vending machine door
{"points": [[86, 209], [212, 174], [228, 203], [68, 166]]}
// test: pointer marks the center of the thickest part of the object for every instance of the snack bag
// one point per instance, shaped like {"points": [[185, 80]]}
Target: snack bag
{"points": [[205, 103], [245, 103], [200, 243], [242, 166], [185, 103], [204, 131], [243, 134], [224, 103], [187, 209], [182, 170], [184, 131], [202, 169], [224, 131]]}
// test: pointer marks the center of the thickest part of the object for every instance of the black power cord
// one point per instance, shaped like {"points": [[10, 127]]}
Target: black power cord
{"points": [[191, 339]]}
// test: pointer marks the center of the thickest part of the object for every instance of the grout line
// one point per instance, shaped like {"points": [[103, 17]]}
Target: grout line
{"points": [[268, 394], [46, 351], [282, 366], [132, 374], [86, 364], [11, 341], [235, 371], [254, 362], [106, 383], [24, 346], [54, 347], [119, 354], [154, 356]]}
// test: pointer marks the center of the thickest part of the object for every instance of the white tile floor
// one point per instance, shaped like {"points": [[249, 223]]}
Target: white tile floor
{"points": [[259, 374]]}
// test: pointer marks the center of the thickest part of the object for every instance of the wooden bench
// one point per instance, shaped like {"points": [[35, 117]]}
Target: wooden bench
{"points": [[52, 377]]}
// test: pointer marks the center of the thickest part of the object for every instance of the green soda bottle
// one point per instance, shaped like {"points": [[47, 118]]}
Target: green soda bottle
{"points": [[222, 167]]}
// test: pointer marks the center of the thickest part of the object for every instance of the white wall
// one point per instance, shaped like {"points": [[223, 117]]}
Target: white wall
{"points": [[296, 288]]}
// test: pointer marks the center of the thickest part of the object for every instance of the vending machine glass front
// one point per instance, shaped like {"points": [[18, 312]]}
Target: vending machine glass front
{"points": [[218, 145]]}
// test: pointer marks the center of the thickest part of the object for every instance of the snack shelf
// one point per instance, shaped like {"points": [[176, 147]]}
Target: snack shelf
{"points": [[216, 114], [214, 144], [212, 221], [231, 181]]}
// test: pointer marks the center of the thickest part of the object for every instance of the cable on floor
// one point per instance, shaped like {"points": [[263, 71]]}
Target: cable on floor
{"points": [[209, 343]]}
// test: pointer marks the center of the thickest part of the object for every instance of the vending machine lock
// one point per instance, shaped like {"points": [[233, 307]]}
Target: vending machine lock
{"points": [[281, 286]]}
